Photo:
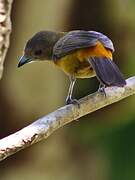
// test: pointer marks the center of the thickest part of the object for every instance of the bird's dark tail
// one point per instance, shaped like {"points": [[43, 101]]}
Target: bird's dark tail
{"points": [[107, 71]]}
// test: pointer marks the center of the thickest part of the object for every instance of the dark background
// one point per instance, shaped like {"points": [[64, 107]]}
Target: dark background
{"points": [[99, 146]]}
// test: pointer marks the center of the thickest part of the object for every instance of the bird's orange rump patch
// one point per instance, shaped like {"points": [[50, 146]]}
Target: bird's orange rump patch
{"points": [[99, 51]]}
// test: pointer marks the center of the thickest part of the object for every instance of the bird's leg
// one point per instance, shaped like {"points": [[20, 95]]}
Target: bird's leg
{"points": [[102, 88], [69, 99]]}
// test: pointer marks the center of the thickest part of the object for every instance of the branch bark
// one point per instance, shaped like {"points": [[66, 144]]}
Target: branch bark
{"points": [[5, 29], [45, 126]]}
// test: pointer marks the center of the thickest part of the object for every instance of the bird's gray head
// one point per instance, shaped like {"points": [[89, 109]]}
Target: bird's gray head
{"points": [[39, 47]]}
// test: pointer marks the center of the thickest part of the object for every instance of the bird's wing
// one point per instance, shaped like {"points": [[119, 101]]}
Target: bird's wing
{"points": [[103, 39], [79, 39], [107, 72]]}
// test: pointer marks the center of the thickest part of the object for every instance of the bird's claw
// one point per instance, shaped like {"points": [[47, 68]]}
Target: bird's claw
{"points": [[72, 101], [102, 90]]}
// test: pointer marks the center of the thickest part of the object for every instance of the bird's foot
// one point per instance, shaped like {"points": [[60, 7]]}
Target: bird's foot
{"points": [[101, 89], [72, 101]]}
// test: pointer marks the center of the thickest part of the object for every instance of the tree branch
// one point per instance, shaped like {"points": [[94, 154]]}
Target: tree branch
{"points": [[45, 126], [5, 29]]}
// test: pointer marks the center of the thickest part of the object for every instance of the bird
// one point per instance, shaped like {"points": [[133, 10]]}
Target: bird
{"points": [[79, 53]]}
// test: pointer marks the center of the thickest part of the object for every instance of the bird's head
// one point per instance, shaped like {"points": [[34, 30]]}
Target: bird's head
{"points": [[39, 47]]}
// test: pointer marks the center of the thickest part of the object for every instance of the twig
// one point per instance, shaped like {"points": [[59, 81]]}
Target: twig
{"points": [[45, 126]]}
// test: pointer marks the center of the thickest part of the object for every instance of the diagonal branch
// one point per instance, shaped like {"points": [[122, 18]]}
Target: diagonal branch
{"points": [[45, 126]]}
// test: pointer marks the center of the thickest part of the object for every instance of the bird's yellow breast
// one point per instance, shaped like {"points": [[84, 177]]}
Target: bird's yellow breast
{"points": [[72, 65]]}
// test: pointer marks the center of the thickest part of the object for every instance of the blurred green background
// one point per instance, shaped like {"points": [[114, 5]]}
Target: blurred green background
{"points": [[99, 146]]}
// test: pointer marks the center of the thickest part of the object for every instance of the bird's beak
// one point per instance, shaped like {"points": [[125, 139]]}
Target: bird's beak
{"points": [[23, 60]]}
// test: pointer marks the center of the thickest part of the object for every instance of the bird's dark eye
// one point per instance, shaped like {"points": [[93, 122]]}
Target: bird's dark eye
{"points": [[38, 52]]}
